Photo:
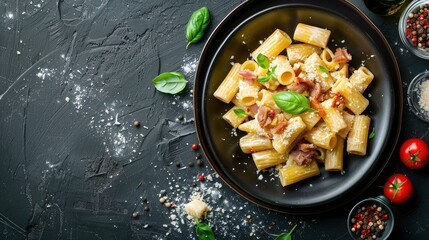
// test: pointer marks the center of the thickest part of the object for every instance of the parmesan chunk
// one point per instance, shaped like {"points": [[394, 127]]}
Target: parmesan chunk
{"points": [[196, 208]]}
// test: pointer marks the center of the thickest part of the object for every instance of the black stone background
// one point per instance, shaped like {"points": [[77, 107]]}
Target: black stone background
{"points": [[67, 172]]}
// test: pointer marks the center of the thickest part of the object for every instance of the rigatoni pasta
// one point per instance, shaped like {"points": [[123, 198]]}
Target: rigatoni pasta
{"points": [[298, 105], [273, 45], [229, 86], [312, 35]]}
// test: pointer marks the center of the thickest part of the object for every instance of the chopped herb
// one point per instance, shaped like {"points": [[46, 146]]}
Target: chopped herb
{"points": [[286, 235], [239, 112], [372, 134], [324, 69]]}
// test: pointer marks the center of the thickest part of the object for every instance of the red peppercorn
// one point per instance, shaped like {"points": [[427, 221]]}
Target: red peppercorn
{"points": [[195, 146], [201, 178], [252, 150]]}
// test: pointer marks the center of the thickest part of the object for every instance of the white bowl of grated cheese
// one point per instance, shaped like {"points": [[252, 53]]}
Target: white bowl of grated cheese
{"points": [[418, 95]]}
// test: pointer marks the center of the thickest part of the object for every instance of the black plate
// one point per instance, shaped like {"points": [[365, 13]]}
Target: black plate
{"points": [[239, 34]]}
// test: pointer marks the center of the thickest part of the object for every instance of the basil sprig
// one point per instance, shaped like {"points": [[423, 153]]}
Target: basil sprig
{"points": [[292, 102], [204, 231], [286, 235], [239, 112], [372, 134], [323, 69], [170, 82], [264, 63], [198, 22]]}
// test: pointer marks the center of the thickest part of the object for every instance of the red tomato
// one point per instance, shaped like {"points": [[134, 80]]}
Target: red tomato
{"points": [[398, 188], [414, 153]]}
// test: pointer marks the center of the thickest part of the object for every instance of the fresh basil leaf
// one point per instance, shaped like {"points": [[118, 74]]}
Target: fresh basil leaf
{"points": [[204, 231], [264, 79], [273, 69], [286, 235], [272, 74], [323, 69], [170, 82], [198, 22], [240, 112], [262, 61], [372, 134], [292, 102]]}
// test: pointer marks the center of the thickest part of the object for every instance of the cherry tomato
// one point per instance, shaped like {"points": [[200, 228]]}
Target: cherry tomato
{"points": [[398, 188], [414, 153]]}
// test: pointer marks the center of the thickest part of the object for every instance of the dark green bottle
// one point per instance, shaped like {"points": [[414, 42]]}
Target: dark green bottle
{"points": [[384, 7]]}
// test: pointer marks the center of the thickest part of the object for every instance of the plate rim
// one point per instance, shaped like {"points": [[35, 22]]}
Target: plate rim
{"points": [[394, 131]]}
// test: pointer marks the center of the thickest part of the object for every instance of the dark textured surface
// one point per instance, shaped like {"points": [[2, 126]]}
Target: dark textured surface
{"points": [[67, 68]]}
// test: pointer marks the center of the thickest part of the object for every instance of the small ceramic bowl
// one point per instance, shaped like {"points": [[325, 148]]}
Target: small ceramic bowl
{"points": [[415, 94], [379, 201], [412, 10]]}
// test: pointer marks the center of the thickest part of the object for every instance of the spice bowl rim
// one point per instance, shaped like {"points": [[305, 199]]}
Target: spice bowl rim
{"points": [[402, 29], [387, 207], [412, 97]]}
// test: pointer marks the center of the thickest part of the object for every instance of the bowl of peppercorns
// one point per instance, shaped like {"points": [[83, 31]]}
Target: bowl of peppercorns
{"points": [[414, 28], [371, 218]]}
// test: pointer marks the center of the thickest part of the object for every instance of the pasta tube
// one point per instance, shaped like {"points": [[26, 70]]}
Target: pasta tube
{"points": [[268, 158], [354, 100], [327, 57], [284, 71], [293, 173], [361, 78], [310, 119], [312, 35], [342, 72], [315, 69], [229, 86], [232, 118], [284, 141], [349, 119], [334, 157], [248, 92], [249, 65], [333, 117], [251, 143], [273, 45], [253, 127], [301, 51], [322, 136], [358, 136]]}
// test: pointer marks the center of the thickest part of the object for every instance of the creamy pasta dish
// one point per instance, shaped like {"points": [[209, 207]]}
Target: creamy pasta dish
{"points": [[298, 103]]}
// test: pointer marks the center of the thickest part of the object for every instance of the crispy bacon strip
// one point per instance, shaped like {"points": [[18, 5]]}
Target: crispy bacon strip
{"points": [[248, 75], [315, 104], [306, 81], [282, 123], [253, 109], [305, 153], [316, 92], [265, 116], [297, 87], [341, 55], [337, 100]]}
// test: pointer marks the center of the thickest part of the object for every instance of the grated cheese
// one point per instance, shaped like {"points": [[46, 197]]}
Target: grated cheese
{"points": [[424, 96]]}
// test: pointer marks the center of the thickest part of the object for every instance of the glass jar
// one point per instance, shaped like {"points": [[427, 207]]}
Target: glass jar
{"points": [[415, 38], [384, 7]]}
